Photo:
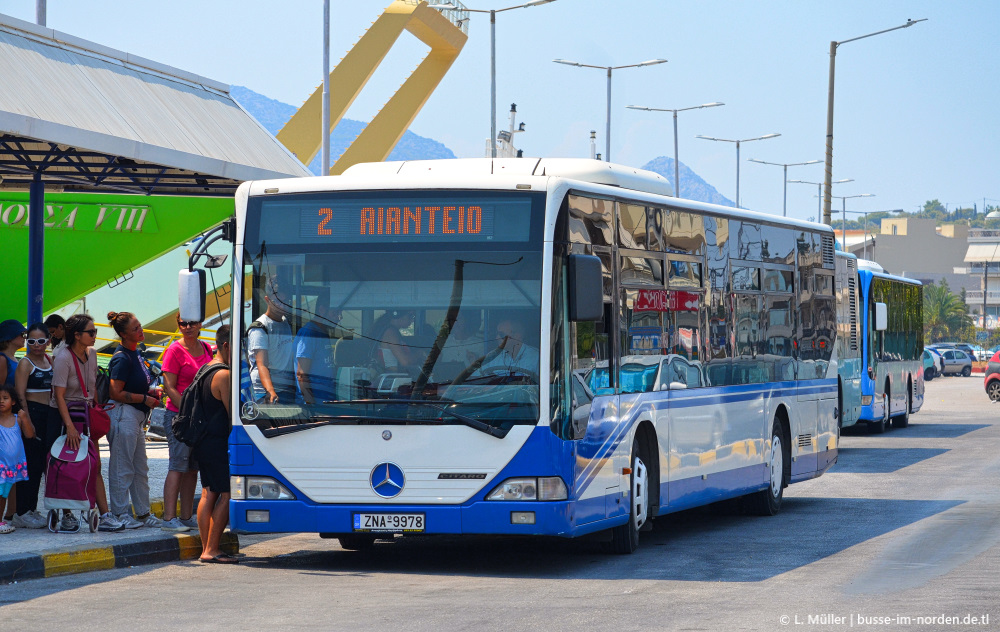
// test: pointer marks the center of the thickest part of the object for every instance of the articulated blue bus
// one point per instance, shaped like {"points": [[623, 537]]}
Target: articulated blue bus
{"points": [[881, 345], [524, 347]]}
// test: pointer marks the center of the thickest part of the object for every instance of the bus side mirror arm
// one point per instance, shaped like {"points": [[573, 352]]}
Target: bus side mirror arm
{"points": [[586, 288]]}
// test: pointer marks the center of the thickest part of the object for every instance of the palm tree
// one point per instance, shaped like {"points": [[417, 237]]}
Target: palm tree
{"points": [[944, 312]]}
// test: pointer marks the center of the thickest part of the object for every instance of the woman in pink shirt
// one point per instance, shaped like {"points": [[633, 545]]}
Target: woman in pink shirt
{"points": [[181, 361]]}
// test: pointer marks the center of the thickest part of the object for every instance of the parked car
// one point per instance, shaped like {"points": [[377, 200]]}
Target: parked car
{"points": [[933, 364], [974, 351], [956, 362], [992, 380]]}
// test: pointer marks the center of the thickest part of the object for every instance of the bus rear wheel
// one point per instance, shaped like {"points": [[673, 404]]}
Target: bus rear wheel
{"points": [[903, 420], [625, 538], [878, 427]]}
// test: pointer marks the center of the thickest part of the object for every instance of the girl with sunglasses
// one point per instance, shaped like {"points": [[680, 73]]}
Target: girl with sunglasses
{"points": [[33, 384]]}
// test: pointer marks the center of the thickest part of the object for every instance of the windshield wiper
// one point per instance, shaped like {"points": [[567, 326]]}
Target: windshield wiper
{"points": [[330, 420], [471, 422]]}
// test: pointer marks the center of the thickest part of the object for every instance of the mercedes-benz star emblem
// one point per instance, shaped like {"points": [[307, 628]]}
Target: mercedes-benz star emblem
{"points": [[387, 480], [386, 434]]}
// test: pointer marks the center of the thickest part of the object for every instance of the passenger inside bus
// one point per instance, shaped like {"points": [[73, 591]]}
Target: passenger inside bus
{"points": [[515, 355], [391, 351]]}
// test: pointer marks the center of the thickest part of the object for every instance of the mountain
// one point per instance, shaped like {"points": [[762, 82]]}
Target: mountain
{"points": [[274, 114], [692, 186]]}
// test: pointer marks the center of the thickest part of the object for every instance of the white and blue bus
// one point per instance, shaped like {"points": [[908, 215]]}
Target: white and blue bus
{"points": [[524, 347], [888, 366]]}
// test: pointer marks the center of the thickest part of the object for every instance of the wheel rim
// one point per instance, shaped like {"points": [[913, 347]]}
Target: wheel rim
{"points": [[777, 465], [885, 409], [640, 493], [994, 391]]}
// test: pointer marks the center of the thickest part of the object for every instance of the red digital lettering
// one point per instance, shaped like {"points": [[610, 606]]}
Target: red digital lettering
{"points": [[430, 217], [327, 216], [446, 219], [474, 220], [411, 216], [381, 218], [392, 220], [461, 219], [368, 221]]}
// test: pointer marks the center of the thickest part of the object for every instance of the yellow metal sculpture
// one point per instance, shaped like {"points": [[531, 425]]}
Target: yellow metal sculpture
{"points": [[302, 134]]}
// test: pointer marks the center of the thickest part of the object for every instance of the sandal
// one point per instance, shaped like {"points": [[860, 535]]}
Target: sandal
{"points": [[219, 559], [6, 527]]}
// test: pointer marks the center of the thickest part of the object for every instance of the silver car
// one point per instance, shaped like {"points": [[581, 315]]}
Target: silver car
{"points": [[956, 362]]}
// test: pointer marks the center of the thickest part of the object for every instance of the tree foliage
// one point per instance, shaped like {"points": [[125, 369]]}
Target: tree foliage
{"points": [[945, 313]]}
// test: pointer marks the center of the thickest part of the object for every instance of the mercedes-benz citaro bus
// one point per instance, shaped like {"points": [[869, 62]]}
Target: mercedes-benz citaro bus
{"points": [[434, 330]]}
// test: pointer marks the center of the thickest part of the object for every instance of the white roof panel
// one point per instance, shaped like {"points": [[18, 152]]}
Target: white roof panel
{"points": [[64, 90]]}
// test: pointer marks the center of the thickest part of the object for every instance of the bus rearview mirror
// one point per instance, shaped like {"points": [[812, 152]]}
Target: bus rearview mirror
{"points": [[586, 293], [881, 316], [191, 295]]}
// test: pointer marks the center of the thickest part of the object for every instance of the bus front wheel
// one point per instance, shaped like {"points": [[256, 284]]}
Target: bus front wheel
{"points": [[878, 427], [625, 538], [767, 502]]}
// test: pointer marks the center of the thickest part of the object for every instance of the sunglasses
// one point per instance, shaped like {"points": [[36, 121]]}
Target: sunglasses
{"points": [[92, 332], [37, 341], [188, 323]]}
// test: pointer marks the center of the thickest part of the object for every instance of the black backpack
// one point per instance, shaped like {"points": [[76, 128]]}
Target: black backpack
{"points": [[190, 423]]}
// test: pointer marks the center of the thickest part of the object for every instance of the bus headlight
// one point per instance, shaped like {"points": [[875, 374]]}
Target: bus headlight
{"points": [[258, 488], [866, 400], [541, 488]]}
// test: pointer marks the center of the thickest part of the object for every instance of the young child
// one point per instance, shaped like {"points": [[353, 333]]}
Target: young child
{"points": [[13, 463]]}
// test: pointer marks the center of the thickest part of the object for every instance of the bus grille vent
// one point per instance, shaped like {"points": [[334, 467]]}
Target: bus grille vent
{"points": [[828, 252], [805, 440], [852, 303]]}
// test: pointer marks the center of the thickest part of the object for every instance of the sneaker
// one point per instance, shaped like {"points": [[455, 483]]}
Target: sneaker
{"points": [[128, 521], [6, 527], [151, 521], [174, 524], [108, 522], [69, 523], [28, 521], [191, 523]]}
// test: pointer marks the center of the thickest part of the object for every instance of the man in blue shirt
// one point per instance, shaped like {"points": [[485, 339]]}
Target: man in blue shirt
{"points": [[314, 369]]}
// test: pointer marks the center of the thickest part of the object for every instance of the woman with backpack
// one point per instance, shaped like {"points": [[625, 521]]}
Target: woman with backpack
{"points": [[181, 362], [74, 378], [131, 386]]}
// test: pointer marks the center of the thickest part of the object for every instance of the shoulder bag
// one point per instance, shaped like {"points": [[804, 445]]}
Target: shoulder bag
{"points": [[96, 414]]}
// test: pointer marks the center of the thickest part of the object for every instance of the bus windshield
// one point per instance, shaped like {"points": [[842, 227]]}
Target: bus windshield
{"points": [[361, 309]]}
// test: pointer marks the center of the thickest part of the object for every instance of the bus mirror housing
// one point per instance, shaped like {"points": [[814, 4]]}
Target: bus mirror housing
{"points": [[586, 289], [191, 295], [881, 317]]}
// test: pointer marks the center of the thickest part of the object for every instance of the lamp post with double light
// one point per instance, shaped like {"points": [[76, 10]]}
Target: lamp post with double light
{"points": [[677, 171], [607, 132], [843, 201], [784, 203], [819, 192], [493, 55], [828, 190], [738, 142]]}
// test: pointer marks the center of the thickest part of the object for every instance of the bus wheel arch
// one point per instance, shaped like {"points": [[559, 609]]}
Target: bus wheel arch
{"points": [[650, 448], [643, 479], [902, 421], [767, 502]]}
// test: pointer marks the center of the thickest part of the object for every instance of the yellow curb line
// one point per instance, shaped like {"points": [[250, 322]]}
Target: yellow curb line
{"points": [[99, 559]]}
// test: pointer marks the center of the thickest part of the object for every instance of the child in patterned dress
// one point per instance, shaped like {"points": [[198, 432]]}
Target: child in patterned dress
{"points": [[13, 463]]}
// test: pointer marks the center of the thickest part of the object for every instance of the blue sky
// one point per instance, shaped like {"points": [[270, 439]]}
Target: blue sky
{"points": [[915, 115]]}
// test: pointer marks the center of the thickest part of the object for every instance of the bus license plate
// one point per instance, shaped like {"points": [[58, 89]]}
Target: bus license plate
{"points": [[389, 522]]}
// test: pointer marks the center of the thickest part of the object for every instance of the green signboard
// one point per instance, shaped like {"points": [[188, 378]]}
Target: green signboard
{"points": [[90, 239]]}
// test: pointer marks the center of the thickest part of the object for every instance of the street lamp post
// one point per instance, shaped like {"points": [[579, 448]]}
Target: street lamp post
{"points": [[843, 201], [324, 160], [784, 203], [744, 140], [819, 192], [828, 190], [493, 55], [677, 171], [607, 132]]}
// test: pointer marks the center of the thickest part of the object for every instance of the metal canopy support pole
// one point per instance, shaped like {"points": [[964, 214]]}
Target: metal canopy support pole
{"points": [[40, 11], [737, 174], [986, 267], [784, 202], [325, 159], [36, 247], [493, 83], [828, 177]]}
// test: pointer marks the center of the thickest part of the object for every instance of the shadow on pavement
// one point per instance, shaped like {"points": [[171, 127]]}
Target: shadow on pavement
{"points": [[940, 431], [712, 543], [881, 460]]}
